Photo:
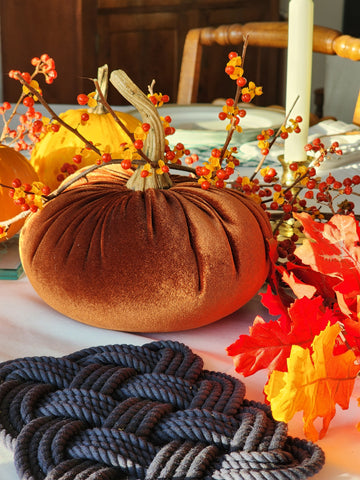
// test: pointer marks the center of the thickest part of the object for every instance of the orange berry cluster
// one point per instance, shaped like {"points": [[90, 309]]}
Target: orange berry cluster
{"points": [[44, 65], [158, 99], [31, 123], [28, 196]]}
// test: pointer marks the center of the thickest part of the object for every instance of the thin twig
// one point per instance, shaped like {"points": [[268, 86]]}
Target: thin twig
{"points": [[261, 162]]}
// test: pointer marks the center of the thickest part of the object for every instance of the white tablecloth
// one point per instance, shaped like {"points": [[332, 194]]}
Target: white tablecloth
{"points": [[29, 327]]}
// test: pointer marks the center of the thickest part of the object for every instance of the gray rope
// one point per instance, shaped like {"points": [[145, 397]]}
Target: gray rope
{"points": [[144, 413]]}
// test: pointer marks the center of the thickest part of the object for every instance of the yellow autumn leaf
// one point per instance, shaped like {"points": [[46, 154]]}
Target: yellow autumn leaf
{"points": [[314, 383]]}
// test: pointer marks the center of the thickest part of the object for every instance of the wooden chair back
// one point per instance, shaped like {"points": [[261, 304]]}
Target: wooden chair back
{"points": [[261, 34]]}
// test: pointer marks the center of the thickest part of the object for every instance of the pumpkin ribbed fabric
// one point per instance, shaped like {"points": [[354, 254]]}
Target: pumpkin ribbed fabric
{"points": [[141, 412]]}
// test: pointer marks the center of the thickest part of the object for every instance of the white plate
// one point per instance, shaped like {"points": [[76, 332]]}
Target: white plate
{"points": [[198, 125]]}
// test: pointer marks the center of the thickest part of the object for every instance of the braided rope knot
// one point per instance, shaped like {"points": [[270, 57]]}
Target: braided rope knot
{"points": [[146, 412]]}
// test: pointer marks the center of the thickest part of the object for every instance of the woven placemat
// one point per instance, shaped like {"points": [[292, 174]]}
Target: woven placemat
{"points": [[141, 412]]}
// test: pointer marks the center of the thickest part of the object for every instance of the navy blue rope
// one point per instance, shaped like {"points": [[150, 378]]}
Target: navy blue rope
{"points": [[141, 412]]}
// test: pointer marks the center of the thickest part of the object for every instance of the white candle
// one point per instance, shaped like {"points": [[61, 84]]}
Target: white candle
{"points": [[298, 79]]}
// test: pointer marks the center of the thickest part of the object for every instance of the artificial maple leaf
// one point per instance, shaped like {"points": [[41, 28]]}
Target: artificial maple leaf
{"points": [[315, 382], [269, 343], [334, 249]]}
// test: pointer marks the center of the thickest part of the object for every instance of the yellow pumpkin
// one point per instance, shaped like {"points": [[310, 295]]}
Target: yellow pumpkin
{"points": [[57, 148], [12, 165]]}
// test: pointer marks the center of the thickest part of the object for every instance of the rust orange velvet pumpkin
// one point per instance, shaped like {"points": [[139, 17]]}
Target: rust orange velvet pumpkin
{"points": [[153, 260], [12, 165]]}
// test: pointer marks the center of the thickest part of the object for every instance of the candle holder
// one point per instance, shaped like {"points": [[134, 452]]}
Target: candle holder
{"points": [[288, 176], [291, 226]]}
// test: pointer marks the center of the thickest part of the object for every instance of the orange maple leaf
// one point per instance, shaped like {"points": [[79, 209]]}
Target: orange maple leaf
{"points": [[314, 383]]}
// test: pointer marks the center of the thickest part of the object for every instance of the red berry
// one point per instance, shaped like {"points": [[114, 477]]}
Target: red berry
{"points": [[274, 205], [126, 164], [106, 157], [337, 185], [28, 101], [311, 172], [284, 135], [221, 174], [222, 115], [85, 117], [138, 144], [165, 98], [241, 81], [298, 119], [82, 99], [205, 185], [293, 166], [246, 97], [55, 127], [165, 168], [309, 194], [232, 55], [145, 127], [45, 190], [77, 158], [264, 151], [356, 179], [215, 152], [16, 183], [229, 69], [170, 155], [37, 125], [33, 208], [242, 113], [311, 184], [144, 173], [229, 102]]}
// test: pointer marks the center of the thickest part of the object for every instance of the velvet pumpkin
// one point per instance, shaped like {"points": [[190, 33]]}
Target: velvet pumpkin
{"points": [[146, 261], [12, 165], [57, 148]]}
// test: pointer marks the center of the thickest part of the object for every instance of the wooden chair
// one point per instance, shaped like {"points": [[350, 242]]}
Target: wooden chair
{"points": [[260, 34]]}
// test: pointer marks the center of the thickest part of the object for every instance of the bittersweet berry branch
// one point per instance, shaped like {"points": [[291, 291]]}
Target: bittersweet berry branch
{"points": [[261, 162], [236, 101], [54, 116]]}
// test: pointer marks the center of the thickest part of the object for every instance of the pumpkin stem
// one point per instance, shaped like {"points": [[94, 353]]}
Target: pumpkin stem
{"points": [[103, 81], [154, 146], [153, 180]]}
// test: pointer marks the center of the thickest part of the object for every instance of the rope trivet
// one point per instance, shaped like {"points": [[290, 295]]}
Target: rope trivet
{"points": [[141, 412]]}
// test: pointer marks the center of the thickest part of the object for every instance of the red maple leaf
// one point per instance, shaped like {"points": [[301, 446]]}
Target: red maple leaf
{"points": [[269, 343], [334, 250]]}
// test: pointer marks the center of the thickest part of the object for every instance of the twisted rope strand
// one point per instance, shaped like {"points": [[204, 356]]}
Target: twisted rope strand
{"points": [[144, 413]]}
